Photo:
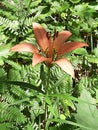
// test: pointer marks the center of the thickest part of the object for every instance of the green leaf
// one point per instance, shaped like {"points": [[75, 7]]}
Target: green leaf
{"points": [[75, 1], [96, 52], [4, 50], [68, 122], [84, 10], [87, 114], [92, 59], [25, 85], [80, 51]]}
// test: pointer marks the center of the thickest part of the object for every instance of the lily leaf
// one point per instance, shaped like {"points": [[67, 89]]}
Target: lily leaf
{"points": [[24, 85], [87, 114]]}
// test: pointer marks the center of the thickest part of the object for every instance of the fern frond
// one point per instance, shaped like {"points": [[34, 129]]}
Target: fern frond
{"points": [[7, 24], [6, 126], [66, 82], [12, 114], [8, 98], [18, 92], [13, 64]]}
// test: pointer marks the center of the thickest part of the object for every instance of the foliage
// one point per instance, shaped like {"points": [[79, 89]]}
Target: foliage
{"points": [[90, 114], [72, 104]]}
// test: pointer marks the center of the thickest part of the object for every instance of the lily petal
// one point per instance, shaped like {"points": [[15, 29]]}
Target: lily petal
{"points": [[37, 58], [67, 47], [24, 47], [41, 37], [60, 39], [66, 66]]}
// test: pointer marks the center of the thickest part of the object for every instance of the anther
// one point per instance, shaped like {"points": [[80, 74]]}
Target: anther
{"points": [[55, 34], [48, 35]]}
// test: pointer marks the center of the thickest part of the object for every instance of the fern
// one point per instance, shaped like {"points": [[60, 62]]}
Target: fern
{"points": [[9, 26], [17, 17], [18, 97], [65, 85], [6, 126], [8, 98], [62, 127], [10, 115]]}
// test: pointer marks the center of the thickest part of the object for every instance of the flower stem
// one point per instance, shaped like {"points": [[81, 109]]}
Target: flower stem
{"points": [[46, 94]]}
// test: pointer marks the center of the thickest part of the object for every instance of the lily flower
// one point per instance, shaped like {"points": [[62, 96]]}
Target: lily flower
{"points": [[51, 50]]}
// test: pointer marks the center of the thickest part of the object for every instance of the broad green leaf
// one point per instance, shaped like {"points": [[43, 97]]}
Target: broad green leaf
{"points": [[96, 52], [80, 51], [95, 7], [92, 59], [68, 122], [84, 10], [87, 114], [4, 49], [75, 1]]}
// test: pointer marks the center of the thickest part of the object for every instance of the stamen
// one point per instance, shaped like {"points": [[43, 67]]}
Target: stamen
{"points": [[55, 34], [48, 35], [54, 31]]}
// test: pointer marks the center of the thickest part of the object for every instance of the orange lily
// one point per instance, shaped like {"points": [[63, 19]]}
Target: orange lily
{"points": [[51, 50]]}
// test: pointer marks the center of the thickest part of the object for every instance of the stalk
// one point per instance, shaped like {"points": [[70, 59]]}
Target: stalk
{"points": [[46, 94], [39, 122], [91, 38]]}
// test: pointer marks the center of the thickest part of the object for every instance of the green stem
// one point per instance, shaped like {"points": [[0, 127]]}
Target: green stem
{"points": [[91, 38], [39, 122], [46, 94]]}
